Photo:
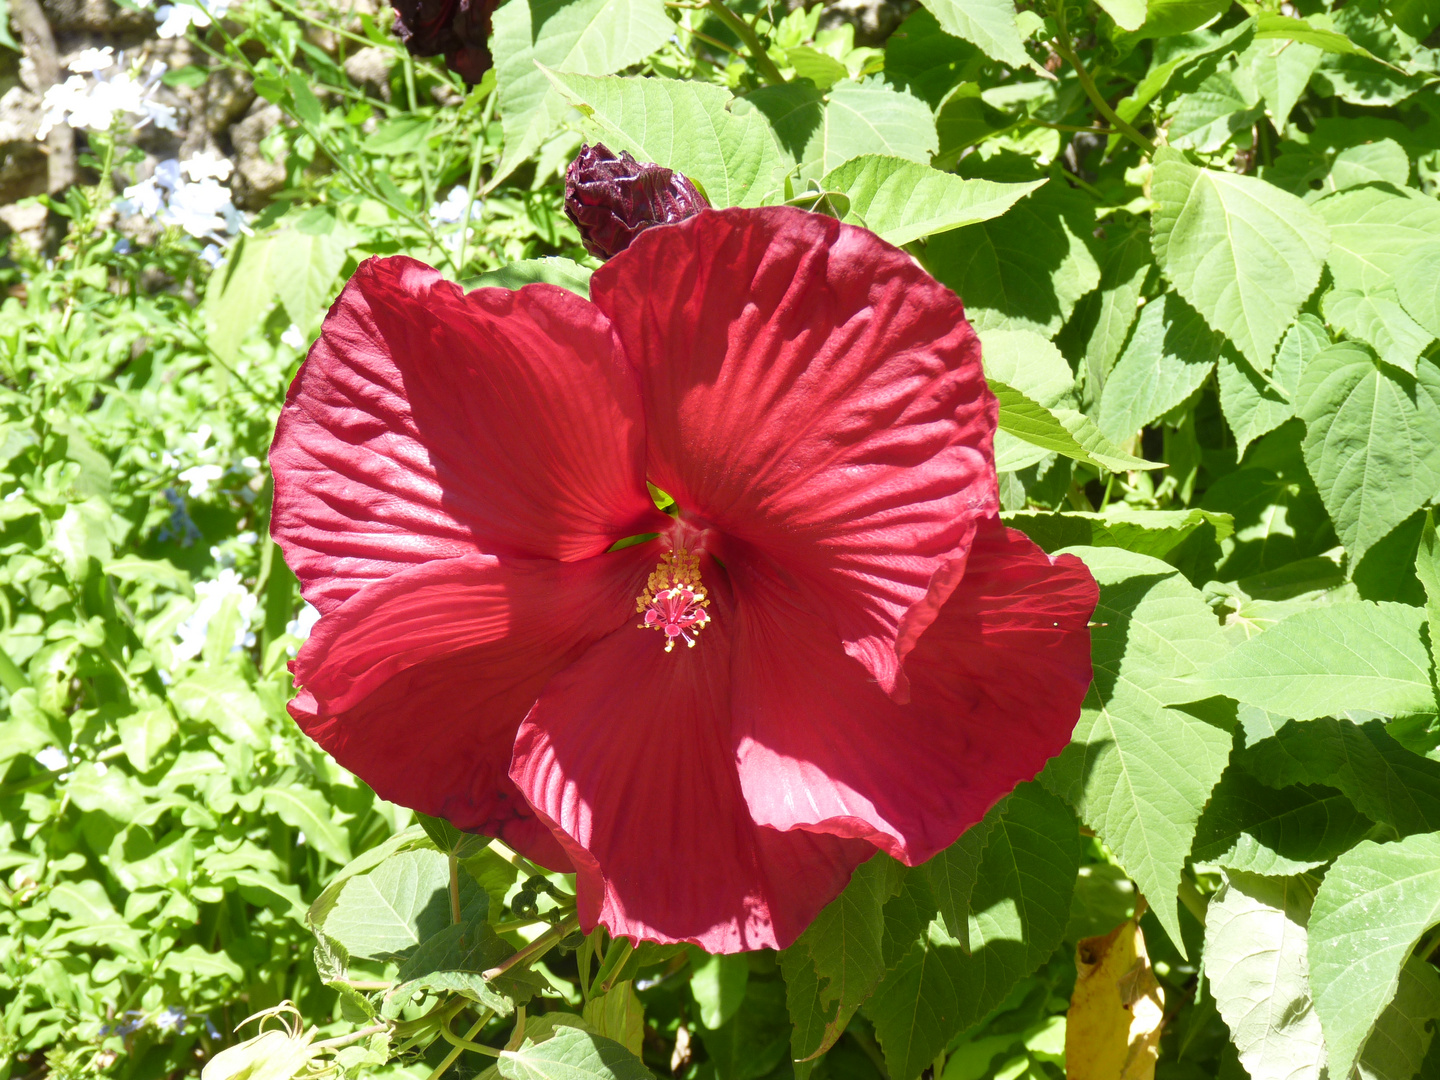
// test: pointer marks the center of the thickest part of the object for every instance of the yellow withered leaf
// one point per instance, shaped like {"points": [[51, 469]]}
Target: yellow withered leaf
{"points": [[1112, 1030]]}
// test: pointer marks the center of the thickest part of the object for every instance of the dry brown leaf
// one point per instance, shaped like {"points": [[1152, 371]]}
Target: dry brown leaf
{"points": [[1112, 1030]]}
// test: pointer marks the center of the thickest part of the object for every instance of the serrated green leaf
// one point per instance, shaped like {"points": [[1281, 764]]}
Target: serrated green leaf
{"points": [[387, 912], [1250, 827], [989, 24], [1372, 441], [1029, 363], [1256, 959], [1155, 533], [1170, 355], [952, 875], [303, 268], [1254, 404], [238, 295], [1114, 306], [1427, 569], [1128, 14], [903, 201], [1242, 252], [144, 733], [304, 809], [581, 37], [572, 1054], [1372, 231], [1061, 431], [1402, 1035], [1281, 70], [1018, 912], [618, 1014], [1377, 319], [1385, 781], [1328, 660], [1373, 906], [1384, 161], [1213, 113], [1137, 771], [686, 126], [1417, 281]]}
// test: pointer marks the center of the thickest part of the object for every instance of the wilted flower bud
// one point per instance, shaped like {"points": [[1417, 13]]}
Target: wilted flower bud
{"points": [[613, 199], [459, 30]]}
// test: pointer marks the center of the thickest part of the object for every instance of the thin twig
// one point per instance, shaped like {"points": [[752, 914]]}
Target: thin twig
{"points": [[1067, 53], [536, 949], [743, 30]]}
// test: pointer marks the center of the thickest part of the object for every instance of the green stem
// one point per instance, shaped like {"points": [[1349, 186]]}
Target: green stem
{"points": [[474, 186], [1066, 53], [537, 948], [456, 1051], [465, 1043], [768, 71]]}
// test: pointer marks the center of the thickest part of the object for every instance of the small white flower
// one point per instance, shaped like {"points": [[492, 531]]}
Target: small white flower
{"points": [[452, 209], [208, 166], [12, 496], [302, 624], [247, 538], [89, 60], [200, 477], [52, 758], [250, 461], [293, 337], [175, 19], [212, 254], [210, 596]]}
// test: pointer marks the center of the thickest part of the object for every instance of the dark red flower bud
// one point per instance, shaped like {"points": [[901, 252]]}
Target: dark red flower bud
{"points": [[459, 30], [613, 199]]}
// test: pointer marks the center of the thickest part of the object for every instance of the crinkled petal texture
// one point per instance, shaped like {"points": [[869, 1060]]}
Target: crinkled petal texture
{"points": [[997, 680], [428, 423], [810, 390], [628, 756]]}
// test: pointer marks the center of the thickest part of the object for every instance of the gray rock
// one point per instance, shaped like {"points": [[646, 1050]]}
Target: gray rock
{"points": [[256, 176]]}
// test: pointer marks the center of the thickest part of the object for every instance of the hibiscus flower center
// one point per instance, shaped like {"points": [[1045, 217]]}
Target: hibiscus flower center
{"points": [[674, 599]]}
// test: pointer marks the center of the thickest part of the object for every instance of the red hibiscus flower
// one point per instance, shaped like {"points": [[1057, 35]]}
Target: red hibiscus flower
{"points": [[833, 646]]}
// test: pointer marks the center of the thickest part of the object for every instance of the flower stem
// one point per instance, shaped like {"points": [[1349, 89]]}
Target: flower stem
{"points": [[537, 948], [768, 71], [1067, 53], [456, 1051]]}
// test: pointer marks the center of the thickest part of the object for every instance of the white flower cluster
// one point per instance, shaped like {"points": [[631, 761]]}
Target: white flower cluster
{"points": [[189, 194], [451, 210], [175, 19], [210, 597], [91, 101]]}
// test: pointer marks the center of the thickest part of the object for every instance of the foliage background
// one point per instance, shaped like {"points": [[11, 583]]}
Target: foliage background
{"points": [[1201, 241]]}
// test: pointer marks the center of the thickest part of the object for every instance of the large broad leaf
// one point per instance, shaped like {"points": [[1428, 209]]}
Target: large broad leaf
{"points": [[303, 268], [1170, 355], [1372, 441], [990, 24], [1254, 404], [1106, 315], [903, 200], [1384, 780], [842, 949], [1280, 70], [387, 912], [585, 37], [1375, 903], [683, 125], [1138, 771], [1025, 270], [717, 983], [239, 294], [1250, 827], [1378, 319], [572, 1054], [1018, 911], [1417, 280], [1372, 231], [1244, 253], [1328, 660], [1402, 1035], [1259, 973], [1032, 365]]}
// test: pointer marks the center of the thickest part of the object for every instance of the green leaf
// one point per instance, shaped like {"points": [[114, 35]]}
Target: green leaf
{"points": [[1373, 231], [1025, 270], [307, 105], [388, 911], [1377, 319], [685, 126], [400, 136], [1281, 69], [1027, 362], [1427, 569], [990, 24], [1372, 441], [1250, 827], [843, 948], [1373, 906], [581, 37], [1417, 280], [1327, 660], [903, 201], [1402, 1035], [1165, 18], [1384, 161], [454, 960], [1242, 252], [1137, 771], [1128, 14], [618, 1014], [1170, 355], [718, 986], [1253, 404], [304, 809], [922, 58], [572, 1054], [550, 269], [239, 294], [752, 1042], [1385, 781], [1018, 912], [303, 268], [221, 698], [1061, 431], [1256, 960], [1114, 306], [1155, 533], [1214, 113], [144, 733], [820, 68], [952, 875]]}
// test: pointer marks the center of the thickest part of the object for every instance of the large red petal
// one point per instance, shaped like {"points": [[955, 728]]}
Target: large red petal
{"points": [[628, 755], [812, 391], [418, 684], [997, 684], [428, 423]]}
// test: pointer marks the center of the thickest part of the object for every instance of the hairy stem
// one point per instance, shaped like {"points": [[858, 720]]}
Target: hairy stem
{"points": [[743, 30]]}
